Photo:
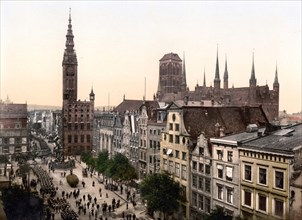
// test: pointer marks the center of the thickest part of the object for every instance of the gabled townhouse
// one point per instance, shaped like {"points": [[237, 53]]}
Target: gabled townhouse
{"points": [[189, 126], [270, 170], [134, 116], [117, 134], [201, 179], [156, 125], [130, 138]]}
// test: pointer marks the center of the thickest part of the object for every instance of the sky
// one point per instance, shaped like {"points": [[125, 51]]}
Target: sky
{"points": [[119, 45]]}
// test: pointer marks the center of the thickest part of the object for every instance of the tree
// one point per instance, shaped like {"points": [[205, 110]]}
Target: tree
{"points": [[161, 192], [101, 162], [21, 204], [89, 160]]}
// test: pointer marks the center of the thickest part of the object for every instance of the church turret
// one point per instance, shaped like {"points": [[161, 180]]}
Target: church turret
{"points": [[253, 80], [276, 82], [91, 95], [226, 75], [69, 64], [217, 77], [204, 77], [184, 78]]}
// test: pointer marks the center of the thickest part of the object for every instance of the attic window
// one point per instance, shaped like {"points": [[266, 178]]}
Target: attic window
{"points": [[173, 117]]}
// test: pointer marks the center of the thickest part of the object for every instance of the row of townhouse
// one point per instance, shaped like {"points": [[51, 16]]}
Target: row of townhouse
{"points": [[206, 149], [134, 129], [257, 174], [186, 152]]}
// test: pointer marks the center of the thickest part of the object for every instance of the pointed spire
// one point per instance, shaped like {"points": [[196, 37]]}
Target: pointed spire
{"points": [[91, 95], [253, 80], [184, 80], [69, 35], [91, 90], [204, 77], [276, 81], [226, 75], [217, 77]]}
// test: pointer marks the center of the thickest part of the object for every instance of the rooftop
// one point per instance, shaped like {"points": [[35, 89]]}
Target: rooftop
{"points": [[283, 141], [231, 119], [171, 56]]}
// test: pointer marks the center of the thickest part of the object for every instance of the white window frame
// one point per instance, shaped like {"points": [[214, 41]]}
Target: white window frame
{"points": [[274, 208], [165, 162], [219, 154], [250, 165], [258, 175], [243, 198], [281, 171], [232, 195], [184, 172], [220, 167], [170, 167], [177, 169], [231, 173], [266, 203], [219, 194]]}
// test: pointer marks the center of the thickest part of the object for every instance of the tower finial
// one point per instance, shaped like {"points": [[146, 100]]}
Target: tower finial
{"points": [[204, 77], [69, 15], [226, 74], [184, 80], [253, 80], [217, 77], [276, 81]]}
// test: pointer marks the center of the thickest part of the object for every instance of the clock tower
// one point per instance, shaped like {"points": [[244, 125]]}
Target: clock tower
{"points": [[70, 64], [77, 115]]}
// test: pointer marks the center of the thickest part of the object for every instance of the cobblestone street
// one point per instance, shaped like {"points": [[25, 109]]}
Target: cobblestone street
{"points": [[94, 191]]}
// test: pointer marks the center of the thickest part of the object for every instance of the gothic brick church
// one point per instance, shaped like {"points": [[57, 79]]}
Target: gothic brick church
{"points": [[172, 86], [77, 115]]}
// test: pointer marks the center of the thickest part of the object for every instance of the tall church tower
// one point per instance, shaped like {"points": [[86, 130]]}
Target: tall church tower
{"points": [[77, 115], [172, 78], [70, 67]]}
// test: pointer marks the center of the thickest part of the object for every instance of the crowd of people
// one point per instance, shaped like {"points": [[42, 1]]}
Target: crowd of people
{"points": [[46, 184], [87, 205]]}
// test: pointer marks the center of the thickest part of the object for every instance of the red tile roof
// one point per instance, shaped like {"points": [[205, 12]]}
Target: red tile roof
{"points": [[232, 119]]}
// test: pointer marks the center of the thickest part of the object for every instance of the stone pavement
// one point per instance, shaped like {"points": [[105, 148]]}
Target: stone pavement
{"points": [[139, 210]]}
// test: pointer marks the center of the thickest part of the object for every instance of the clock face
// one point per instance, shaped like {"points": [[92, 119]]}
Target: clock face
{"points": [[70, 70]]}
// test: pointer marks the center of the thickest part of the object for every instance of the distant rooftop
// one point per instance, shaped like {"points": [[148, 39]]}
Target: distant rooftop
{"points": [[171, 56], [284, 141]]}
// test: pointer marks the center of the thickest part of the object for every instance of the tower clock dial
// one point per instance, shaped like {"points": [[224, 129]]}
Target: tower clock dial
{"points": [[70, 69]]}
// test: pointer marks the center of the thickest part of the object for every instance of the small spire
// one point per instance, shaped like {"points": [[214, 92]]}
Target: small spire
{"points": [[253, 80], [276, 81], [69, 15], [226, 74], [217, 77], [184, 80], [204, 77]]}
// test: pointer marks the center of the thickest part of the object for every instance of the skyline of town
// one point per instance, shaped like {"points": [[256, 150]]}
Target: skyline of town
{"points": [[111, 47]]}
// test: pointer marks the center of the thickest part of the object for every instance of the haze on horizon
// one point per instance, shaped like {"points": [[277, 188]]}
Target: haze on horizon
{"points": [[119, 44]]}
